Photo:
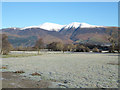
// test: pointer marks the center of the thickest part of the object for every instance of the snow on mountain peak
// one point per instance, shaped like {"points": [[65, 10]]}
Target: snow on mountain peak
{"points": [[51, 26], [47, 26], [85, 25], [56, 27], [74, 24], [81, 25], [12, 28], [29, 27]]}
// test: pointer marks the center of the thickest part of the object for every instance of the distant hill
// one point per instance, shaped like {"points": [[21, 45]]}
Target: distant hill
{"points": [[28, 37], [72, 33]]}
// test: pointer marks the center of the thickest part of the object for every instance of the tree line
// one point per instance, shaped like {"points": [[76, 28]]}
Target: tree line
{"points": [[59, 46]]}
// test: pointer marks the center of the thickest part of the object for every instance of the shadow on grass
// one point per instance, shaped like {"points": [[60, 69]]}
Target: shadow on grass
{"points": [[113, 63], [113, 55]]}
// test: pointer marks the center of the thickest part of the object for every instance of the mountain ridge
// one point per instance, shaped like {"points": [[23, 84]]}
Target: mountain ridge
{"points": [[57, 27], [73, 33]]}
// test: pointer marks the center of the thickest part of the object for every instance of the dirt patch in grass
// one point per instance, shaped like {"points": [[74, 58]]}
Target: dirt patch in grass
{"points": [[36, 74], [4, 67], [14, 80]]}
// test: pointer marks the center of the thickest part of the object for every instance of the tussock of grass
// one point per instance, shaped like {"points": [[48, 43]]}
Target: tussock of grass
{"points": [[19, 71], [4, 67], [36, 74], [19, 55]]}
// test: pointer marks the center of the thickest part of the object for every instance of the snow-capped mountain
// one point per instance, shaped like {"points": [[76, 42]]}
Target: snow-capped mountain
{"points": [[72, 33], [47, 26], [58, 27], [81, 25]]}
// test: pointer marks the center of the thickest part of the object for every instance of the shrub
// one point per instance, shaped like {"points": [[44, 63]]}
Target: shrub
{"points": [[4, 67], [81, 48], [69, 47], [96, 50], [87, 49]]}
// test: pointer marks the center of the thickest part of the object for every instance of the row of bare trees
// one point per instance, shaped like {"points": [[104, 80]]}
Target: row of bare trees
{"points": [[59, 46], [56, 46]]}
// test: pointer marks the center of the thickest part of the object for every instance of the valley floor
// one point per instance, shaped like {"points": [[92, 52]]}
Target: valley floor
{"points": [[64, 70]]}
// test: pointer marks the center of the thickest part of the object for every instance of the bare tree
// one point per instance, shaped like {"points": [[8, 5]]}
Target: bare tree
{"points": [[39, 44], [112, 37], [6, 46], [59, 46], [55, 46], [69, 47], [82, 48]]}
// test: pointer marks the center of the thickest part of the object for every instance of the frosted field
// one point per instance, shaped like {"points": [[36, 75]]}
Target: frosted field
{"points": [[69, 70]]}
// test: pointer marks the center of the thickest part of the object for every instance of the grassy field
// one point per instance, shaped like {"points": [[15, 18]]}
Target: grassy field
{"points": [[72, 70]]}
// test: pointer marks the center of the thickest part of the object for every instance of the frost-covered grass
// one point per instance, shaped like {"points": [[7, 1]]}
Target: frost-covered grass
{"points": [[86, 70], [18, 55]]}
